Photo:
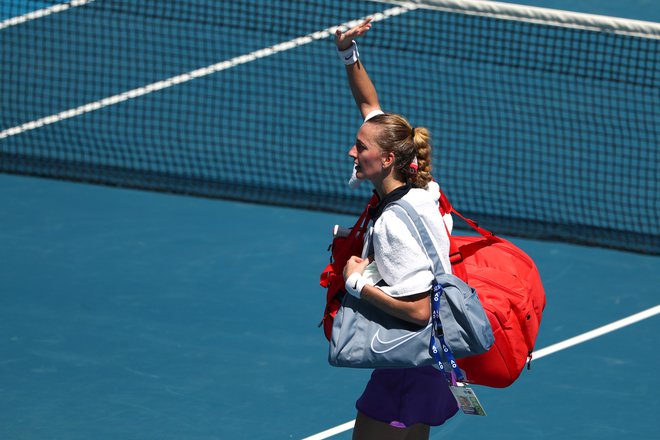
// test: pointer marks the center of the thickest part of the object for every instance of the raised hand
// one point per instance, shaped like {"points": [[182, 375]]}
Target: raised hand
{"points": [[343, 40]]}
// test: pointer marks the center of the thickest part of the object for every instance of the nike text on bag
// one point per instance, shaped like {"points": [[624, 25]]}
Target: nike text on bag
{"points": [[507, 283], [363, 336]]}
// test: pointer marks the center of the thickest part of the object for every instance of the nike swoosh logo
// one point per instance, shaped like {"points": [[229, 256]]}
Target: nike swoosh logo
{"points": [[348, 57], [378, 345]]}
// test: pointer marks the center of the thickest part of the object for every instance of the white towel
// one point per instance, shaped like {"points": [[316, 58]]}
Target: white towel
{"points": [[371, 274], [400, 259]]}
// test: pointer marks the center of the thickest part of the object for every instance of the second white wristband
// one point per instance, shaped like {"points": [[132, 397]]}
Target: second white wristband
{"points": [[349, 55], [355, 283]]}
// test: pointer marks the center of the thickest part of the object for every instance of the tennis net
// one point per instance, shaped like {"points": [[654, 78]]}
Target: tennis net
{"points": [[545, 123]]}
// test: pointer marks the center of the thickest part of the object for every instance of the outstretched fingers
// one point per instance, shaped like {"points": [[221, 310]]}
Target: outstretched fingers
{"points": [[345, 39]]}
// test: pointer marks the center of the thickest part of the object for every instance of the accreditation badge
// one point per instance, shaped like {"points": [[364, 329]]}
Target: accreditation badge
{"points": [[467, 399]]}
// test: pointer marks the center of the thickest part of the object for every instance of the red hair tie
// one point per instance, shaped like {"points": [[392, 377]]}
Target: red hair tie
{"points": [[414, 166]]}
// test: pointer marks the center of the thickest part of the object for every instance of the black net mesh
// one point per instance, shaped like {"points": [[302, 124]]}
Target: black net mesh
{"points": [[538, 130]]}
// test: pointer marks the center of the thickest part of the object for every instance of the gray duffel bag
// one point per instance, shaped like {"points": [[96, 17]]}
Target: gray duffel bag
{"points": [[363, 336]]}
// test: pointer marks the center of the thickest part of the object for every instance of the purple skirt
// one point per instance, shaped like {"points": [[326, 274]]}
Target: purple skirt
{"points": [[404, 397]]}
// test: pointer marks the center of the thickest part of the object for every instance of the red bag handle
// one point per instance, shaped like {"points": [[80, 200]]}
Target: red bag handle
{"points": [[447, 208], [343, 246], [455, 255], [360, 226]]}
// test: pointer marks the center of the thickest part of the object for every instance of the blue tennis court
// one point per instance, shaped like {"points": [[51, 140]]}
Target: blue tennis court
{"points": [[136, 315], [131, 314]]}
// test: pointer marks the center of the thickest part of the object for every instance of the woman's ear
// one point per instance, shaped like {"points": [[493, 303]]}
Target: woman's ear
{"points": [[388, 159]]}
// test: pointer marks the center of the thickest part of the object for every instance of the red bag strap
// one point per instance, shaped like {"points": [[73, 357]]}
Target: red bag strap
{"points": [[357, 231], [455, 256], [360, 226], [447, 208]]}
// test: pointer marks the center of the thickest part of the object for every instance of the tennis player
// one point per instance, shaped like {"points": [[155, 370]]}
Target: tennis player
{"points": [[393, 272]]}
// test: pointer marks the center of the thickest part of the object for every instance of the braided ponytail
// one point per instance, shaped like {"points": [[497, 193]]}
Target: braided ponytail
{"points": [[422, 143]]}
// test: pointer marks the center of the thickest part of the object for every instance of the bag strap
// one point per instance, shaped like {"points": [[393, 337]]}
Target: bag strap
{"points": [[447, 208], [357, 231], [418, 229], [455, 255], [361, 224]]}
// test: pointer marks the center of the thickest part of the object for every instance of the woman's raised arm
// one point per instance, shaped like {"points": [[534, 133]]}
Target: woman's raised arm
{"points": [[362, 88]]}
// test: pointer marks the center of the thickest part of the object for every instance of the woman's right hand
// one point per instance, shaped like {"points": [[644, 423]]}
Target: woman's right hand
{"points": [[355, 264], [343, 40]]}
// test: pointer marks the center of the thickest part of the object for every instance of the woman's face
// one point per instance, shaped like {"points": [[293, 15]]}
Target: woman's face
{"points": [[367, 156]]}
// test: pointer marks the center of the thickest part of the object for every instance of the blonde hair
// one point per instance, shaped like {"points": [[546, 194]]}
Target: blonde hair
{"points": [[399, 137]]}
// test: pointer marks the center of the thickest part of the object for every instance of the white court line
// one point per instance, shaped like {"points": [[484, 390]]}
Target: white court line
{"points": [[600, 331], [648, 313], [332, 431], [39, 13], [199, 73]]}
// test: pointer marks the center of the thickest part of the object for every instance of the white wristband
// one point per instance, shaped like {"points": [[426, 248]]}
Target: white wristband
{"points": [[350, 55], [355, 283]]}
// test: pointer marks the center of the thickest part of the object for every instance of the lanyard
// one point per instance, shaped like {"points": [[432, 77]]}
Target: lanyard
{"points": [[456, 372], [418, 229]]}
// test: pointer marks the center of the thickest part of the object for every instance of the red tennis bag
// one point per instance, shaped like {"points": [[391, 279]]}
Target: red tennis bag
{"points": [[505, 278], [332, 276], [509, 286]]}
